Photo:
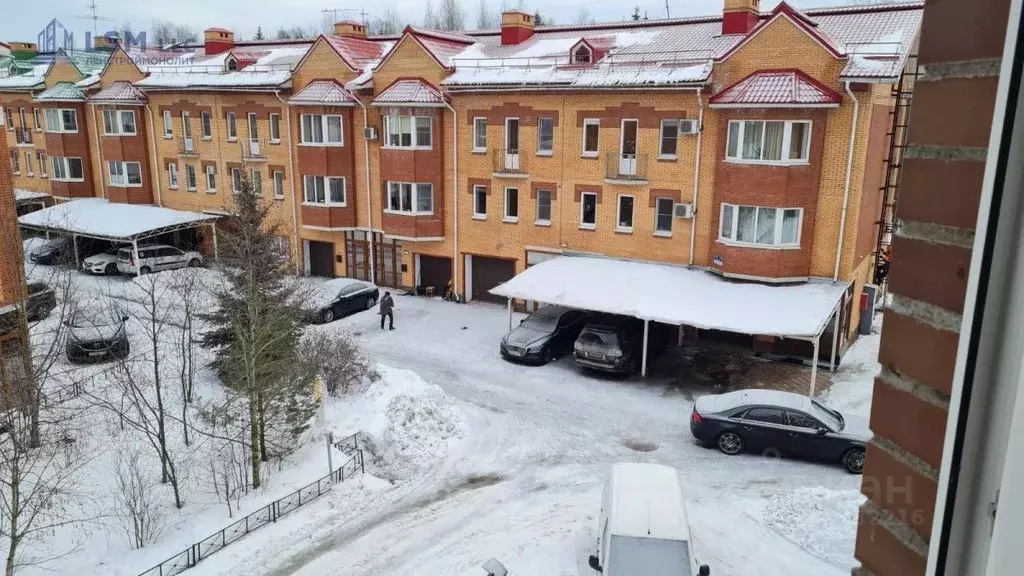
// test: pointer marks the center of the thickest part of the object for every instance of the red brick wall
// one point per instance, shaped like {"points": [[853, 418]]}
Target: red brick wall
{"points": [[75, 145], [330, 217], [328, 161], [128, 149], [960, 47], [10, 256], [874, 179], [420, 166]]}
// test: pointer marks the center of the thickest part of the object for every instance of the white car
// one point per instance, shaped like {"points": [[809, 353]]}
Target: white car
{"points": [[154, 258], [102, 263]]}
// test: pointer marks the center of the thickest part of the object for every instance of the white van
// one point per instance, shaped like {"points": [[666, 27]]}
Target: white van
{"points": [[643, 526]]}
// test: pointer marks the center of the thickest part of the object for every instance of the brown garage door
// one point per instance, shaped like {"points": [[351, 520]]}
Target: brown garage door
{"points": [[488, 273], [321, 259], [435, 272]]}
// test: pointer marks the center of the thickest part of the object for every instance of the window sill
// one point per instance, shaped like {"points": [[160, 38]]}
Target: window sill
{"points": [[191, 189], [662, 234], [590, 155], [207, 138], [621, 230], [757, 246], [322, 144], [510, 219], [409, 148], [235, 139], [783, 163], [211, 191], [79, 181], [124, 185], [322, 204], [276, 197], [543, 223], [401, 213], [480, 217], [473, 151], [666, 158], [168, 137], [278, 141], [588, 226], [546, 154], [172, 187]]}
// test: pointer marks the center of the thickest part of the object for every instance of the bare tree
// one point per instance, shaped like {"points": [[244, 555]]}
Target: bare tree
{"points": [[187, 289], [283, 34], [389, 23], [167, 33], [484, 18], [139, 511], [338, 360], [583, 17], [451, 15], [430, 19]]}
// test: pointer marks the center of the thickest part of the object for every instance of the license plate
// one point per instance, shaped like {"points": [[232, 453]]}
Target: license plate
{"points": [[514, 352], [94, 354]]}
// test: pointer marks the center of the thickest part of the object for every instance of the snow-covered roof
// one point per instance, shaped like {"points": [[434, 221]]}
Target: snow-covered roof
{"points": [[88, 81], [676, 295], [22, 195], [62, 92], [120, 93], [655, 74], [647, 501], [323, 93], [182, 79], [97, 218], [777, 88], [34, 78], [409, 92], [358, 52]]}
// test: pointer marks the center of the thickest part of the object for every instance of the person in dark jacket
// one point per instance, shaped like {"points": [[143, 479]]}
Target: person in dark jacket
{"points": [[387, 307]]}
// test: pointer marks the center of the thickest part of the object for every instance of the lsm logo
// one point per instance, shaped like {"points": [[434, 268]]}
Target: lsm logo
{"points": [[55, 36]]}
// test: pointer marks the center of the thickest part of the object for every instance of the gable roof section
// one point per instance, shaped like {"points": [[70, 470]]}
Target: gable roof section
{"points": [[442, 47], [323, 93], [410, 92], [119, 93], [777, 89], [357, 52], [798, 19], [119, 55]]}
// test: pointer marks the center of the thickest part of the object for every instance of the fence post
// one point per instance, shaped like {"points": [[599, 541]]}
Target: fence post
{"points": [[223, 539], [362, 467], [355, 440], [330, 463]]}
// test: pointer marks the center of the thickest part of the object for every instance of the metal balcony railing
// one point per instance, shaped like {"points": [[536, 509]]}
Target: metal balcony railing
{"points": [[253, 149], [189, 147], [632, 167], [23, 136], [510, 161]]}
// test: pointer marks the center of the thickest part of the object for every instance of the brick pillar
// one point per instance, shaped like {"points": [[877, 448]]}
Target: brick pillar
{"points": [[960, 48]]}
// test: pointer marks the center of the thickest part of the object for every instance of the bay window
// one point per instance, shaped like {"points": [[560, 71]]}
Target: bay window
{"points": [[124, 174], [322, 130], [325, 190], [61, 120], [119, 123], [66, 169], [413, 132], [760, 226], [410, 198], [769, 141]]}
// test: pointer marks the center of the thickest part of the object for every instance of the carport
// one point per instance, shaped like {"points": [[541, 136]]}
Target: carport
{"points": [[30, 201], [114, 222], [680, 296]]}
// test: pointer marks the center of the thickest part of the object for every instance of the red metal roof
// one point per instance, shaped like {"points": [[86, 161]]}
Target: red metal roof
{"points": [[777, 88], [409, 91], [323, 93], [357, 52]]}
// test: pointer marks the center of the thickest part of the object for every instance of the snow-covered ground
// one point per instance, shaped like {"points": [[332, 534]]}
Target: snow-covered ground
{"points": [[472, 458]]}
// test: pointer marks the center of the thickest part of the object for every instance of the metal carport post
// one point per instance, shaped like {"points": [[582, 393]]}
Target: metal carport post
{"points": [[643, 359]]}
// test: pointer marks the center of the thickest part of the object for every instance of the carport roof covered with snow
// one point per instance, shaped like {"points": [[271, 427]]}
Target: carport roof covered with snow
{"points": [[96, 218], [676, 295]]}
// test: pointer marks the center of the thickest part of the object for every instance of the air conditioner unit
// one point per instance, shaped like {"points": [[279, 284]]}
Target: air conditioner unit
{"points": [[189, 145], [369, 133], [684, 211], [689, 126]]}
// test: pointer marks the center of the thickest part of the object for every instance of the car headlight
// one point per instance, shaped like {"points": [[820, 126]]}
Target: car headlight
{"points": [[615, 353], [535, 349]]}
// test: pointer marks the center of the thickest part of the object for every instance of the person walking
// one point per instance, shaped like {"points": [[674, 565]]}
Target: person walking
{"points": [[387, 307]]}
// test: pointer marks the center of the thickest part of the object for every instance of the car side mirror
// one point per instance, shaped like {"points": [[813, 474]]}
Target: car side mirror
{"points": [[704, 570], [822, 431], [125, 318], [523, 320], [595, 563]]}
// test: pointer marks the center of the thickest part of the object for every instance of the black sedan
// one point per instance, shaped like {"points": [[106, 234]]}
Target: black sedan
{"points": [[338, 298], [41, 301], [544, 335], [53, 251], [615, 344], [778, 423], [97, 334]]}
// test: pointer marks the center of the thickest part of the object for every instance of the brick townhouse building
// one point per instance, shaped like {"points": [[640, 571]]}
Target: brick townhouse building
{"points": [[750, 144]]}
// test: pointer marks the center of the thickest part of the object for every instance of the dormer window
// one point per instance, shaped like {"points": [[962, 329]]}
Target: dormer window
{"points": [[232, 64], [582, 55]]}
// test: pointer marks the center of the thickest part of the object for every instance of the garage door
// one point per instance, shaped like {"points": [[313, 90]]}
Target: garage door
{"points": [[488, 273], [321, 259], [435, 272]]}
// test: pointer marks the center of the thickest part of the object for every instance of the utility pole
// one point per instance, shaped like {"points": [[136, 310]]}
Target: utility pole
{"points": [[667, 15], [333, 12]]}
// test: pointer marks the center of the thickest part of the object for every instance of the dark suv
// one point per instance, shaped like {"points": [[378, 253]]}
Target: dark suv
{"points": [[615, 344]]}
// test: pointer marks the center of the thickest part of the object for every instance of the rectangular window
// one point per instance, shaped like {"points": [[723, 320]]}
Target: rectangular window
{"points": [[124, 174], [669, 139], [37, 116], [42, 164], [66, 169], [275, 128], [232, 127], [236, 180], [190, 177], [119, 123], [410, 198], [588, 210], [511, 204], [327, 190], [278, 184], [24, 117], [168, 125], [479, 134], [9, 119], [591, 126], [60, 120], [322, 130], [211, 178], [479, 202], [256, 179], [545, 136], [186, 125], [207, 127], [663, 216], [15, 162], [254, 131], [624, 222], [543, 207], [760, 226], [769, 141], [28, 164], [172, 176], [415, 132]]}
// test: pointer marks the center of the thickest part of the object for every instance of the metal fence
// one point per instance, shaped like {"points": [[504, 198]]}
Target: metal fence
{"points": [[270, 513]]}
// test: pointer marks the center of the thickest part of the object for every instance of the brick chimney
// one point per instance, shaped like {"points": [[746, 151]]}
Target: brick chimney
{"points": [[740, 16], [218, 40], [516, 27], [349, 29]]}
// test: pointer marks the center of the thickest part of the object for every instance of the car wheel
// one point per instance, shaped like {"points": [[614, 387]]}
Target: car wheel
{"points": [[370, 302], [144, 270], [853, 461], [546, 356], [194, 263], [327, 316], [730, 443], [110, 270]]}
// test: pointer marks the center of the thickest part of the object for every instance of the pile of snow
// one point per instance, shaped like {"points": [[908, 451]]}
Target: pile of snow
{"points": [[819, 520]]}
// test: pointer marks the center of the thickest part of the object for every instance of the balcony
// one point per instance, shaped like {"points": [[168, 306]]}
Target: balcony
{"points": [[23, 136], [626, 169], [188, 148], [253, 149], [510, 163]]}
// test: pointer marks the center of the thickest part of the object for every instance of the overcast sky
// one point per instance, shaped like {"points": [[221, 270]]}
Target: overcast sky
{"points": [[23, 19]]}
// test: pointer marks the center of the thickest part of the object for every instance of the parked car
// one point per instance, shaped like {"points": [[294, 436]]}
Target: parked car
{"points": [[340, 297], [546, 334], [52, 251], [643, 526], [102, 263], [615, 344], [154, 258], [780, 423], [97, 333], [41, 301]]}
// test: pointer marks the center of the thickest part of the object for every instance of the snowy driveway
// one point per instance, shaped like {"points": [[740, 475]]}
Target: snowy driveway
{"points": [[524, 485]]}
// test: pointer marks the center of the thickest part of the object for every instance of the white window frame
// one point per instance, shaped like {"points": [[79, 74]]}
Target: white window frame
{"points": [[206, 125], [168, 125], [542, 221], [211, 178], [587, 122], [256, 181], [413, 122], [64, 164], [479, 191], [186, 124], [24, 118], [9, 119], [37, 117], [787, 132], [116, 122], [575, 60], [278, 177], [252, 126], [540, 150], [117, 174], [28, 164], [414, 196], [777, 243], [275, 129], [671, 215], [661, 139], [172, 175], [231, 126], [55, 116], [618, 214], [511, 219], [588, 225], [307, 139], [43, 160], [321, 184], [15, 159], [478, 134], [191, 178], [236, 180]]}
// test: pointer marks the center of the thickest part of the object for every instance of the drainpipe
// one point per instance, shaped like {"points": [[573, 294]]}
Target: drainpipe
{"points": [[99, 156], [369, 193], [696, 173], [849, 174], [155, 169], [291, 184], [455, 193]]}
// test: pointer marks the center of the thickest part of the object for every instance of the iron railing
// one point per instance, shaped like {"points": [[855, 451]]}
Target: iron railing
{"points": [[199, 551], [510, 161], [253, 149], [23, 136], [189, 147], [631, 167]]}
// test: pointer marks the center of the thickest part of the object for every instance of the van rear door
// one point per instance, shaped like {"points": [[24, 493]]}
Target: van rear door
{"points": [[633, 555]]}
